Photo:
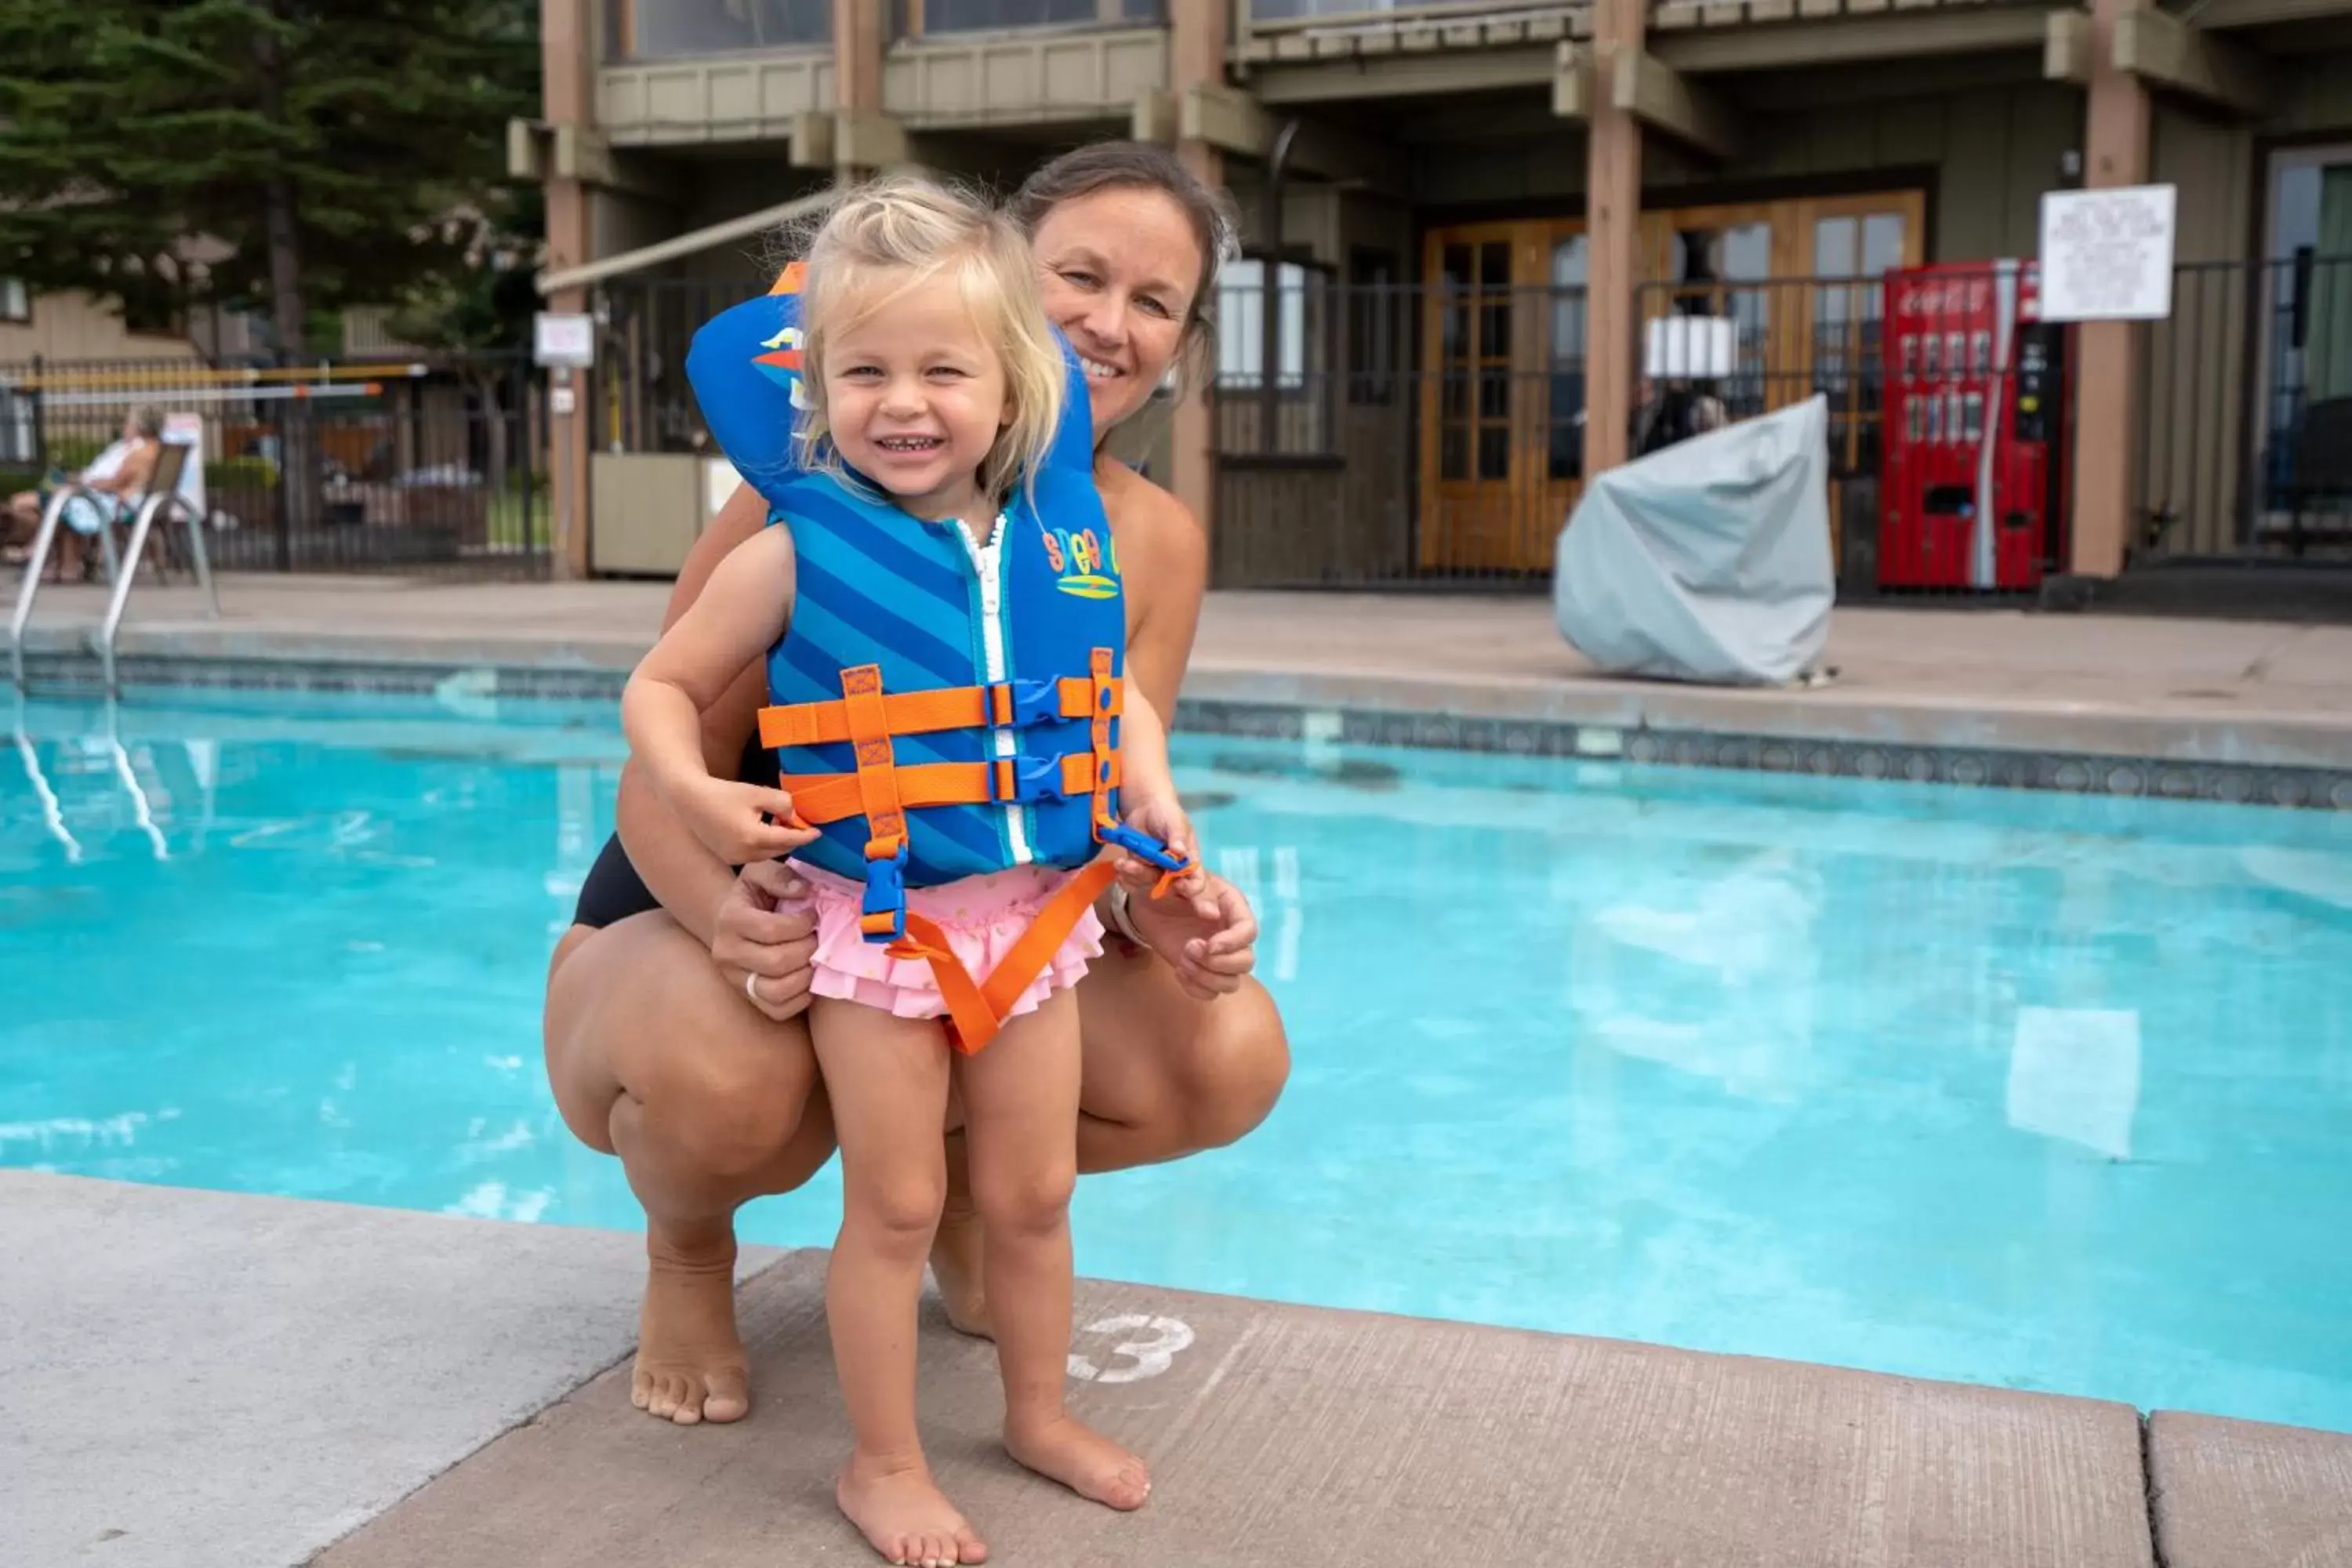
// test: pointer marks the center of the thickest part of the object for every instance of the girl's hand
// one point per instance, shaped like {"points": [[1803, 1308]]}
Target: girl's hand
{"points": [[1208, 937], [1162, 819], [763, 938], [733, 819]]}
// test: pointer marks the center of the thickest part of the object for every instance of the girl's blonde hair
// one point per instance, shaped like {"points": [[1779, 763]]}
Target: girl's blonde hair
{"points": [[894, 233]]}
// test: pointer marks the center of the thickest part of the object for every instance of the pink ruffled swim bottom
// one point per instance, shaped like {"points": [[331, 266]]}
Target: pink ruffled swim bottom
{"points": [[982, 917]]}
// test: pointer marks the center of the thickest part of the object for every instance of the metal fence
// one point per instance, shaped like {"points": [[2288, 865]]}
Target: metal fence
{"points": [[1418, 434], [415, 467], [2246, 453], [639, 398]]}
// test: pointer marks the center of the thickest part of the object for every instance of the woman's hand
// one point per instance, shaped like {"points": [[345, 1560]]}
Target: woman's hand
{"points": [[1208, 937], [763, 938]]}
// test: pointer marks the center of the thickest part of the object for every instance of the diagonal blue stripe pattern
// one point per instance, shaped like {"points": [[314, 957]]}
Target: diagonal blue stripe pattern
{"points": [[819, 611]]}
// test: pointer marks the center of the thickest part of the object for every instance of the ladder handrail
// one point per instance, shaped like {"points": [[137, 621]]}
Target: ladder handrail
{"points": [[165, 500], [37, 563]]}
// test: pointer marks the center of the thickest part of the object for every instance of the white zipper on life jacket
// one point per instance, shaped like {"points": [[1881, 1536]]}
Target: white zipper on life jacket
{"points": [[987, 560]]}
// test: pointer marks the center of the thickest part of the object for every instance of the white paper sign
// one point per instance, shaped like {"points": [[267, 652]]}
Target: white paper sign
{"points": [[558, 339], [2106, 256]]}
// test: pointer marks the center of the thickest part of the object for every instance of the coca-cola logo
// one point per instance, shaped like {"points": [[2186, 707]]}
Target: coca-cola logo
{"points": [[1946, 297]]}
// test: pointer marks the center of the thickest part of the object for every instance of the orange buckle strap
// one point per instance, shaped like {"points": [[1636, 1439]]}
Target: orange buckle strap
{"points": [[824, 798], [1005, 705], [1105, 694], [977, 1009], [883, 912]]}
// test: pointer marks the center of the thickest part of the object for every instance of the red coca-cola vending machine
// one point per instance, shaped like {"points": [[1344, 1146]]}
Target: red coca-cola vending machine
{"points": [[1975, 430]]}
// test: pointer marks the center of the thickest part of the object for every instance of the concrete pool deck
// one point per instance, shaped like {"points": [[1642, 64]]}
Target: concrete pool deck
{"points": [[236, 1382], [1918, 692]]}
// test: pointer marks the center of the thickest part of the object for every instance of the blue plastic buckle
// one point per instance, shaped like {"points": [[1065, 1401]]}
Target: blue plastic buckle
{"points": [[1035, 701], [885, 894], [1142, 846], [1034, 779]]}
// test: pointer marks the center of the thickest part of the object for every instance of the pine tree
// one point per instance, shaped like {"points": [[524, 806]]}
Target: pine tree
{"points": [[307, 153]]}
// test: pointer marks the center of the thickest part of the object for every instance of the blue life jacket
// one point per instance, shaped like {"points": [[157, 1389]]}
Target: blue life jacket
{"points": [[1012, 677]]}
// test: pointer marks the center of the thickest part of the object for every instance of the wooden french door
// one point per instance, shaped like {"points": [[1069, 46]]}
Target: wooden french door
{"points": [[1502, 438], [1505, 329]]}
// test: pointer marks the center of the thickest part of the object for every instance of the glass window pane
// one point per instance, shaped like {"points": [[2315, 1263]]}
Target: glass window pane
{"points": [[1494, 329], [1493, 452], [1882, 242], [1453, 453], [1494, 265], [1834, 248], [662, 29]]}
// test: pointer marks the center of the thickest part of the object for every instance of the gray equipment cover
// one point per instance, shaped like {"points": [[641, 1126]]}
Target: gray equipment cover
{"points": [[1708, 561]]}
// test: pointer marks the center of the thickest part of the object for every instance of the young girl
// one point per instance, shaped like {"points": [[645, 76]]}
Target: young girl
{"points": [[945, 634]]}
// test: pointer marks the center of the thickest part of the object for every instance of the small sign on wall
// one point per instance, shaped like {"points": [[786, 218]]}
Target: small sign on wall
{"points": [[2106, 256], [563, 339]]}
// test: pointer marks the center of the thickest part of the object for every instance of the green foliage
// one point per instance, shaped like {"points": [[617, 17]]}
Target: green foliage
{"points": [[310, 153], [239, 474]]}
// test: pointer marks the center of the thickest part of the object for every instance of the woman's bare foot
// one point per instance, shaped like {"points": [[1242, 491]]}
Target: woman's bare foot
{"points": [[903, 1515], [1067, 1450], [690, 1361], [955, 1264]]}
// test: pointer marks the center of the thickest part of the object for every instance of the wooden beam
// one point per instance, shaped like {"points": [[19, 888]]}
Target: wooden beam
{"points": [[1232, 122], [578, 152], [2066, 47], [866, 140], [1155, 119], [525, 158], [1571, 81], [1854, 39], [2174, 55], [812, 139], [1652, 92]]}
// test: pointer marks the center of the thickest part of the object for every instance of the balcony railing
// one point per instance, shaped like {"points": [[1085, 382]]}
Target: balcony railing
{"points": [[675, 30], [942, 18]]}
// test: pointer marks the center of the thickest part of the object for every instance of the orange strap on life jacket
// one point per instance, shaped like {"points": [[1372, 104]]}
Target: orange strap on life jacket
{"points": [[924, 712], [822, 798], [882, 792], [876, 779], [977, 1009]]}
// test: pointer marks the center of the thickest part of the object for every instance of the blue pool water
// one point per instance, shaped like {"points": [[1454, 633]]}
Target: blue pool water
{"points": [[2043, 1091]]}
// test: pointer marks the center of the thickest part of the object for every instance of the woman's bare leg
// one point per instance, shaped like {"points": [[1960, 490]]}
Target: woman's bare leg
{"points": [[652, 1055], [888, 1081], [1020, 1102], [1165, 1075]]}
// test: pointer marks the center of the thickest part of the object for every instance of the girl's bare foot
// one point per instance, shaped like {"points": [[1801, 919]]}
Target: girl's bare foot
{"points": [[903, 1515], [690, 1365], [1067, 1450]]}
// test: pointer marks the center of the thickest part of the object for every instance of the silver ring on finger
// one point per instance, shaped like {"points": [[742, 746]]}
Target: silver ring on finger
{"points": [[749, 984]]}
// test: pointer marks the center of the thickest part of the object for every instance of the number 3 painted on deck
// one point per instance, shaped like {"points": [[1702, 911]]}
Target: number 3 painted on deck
{"points": [[1152, 1356]]}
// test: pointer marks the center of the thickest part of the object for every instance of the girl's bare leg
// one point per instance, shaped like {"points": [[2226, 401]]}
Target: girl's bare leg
{"points": [[1021, 1110], [887, 1079]]}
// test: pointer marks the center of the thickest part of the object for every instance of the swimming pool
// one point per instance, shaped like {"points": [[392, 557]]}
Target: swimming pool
{"points": [[2045, 1092]]}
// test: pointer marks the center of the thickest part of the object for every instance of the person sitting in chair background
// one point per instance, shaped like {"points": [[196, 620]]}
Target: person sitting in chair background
{"points": [[121, 472]]}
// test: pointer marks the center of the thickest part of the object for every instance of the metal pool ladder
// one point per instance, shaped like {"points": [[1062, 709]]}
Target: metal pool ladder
{"points": [[162, 495]]}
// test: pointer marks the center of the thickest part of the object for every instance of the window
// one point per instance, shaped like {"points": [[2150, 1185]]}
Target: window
{"points": [[930, 18], [1241, 325], [1375, 326], [1301, 10], [15, 300], [670, 29]]}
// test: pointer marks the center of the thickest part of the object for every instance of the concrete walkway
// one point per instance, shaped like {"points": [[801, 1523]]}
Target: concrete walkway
{"points": [[232, 1381], [2124, 686]]}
